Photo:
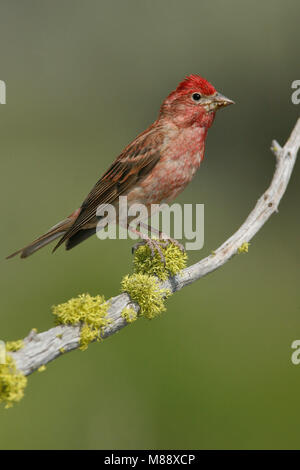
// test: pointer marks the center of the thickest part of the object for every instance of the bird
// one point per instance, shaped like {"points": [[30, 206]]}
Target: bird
{"points": [[153, 169]]}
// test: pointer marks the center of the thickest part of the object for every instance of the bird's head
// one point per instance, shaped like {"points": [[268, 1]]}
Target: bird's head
{"points": [[194, 102]]}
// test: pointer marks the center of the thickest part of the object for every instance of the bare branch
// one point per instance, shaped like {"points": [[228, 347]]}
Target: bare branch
{"points": [[39, 349]]}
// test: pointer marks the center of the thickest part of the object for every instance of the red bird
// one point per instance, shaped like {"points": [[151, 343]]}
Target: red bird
{"points": [[154, 168]]}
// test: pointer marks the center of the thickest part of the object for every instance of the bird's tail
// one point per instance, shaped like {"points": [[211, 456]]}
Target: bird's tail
{"points": [[55, 232]]}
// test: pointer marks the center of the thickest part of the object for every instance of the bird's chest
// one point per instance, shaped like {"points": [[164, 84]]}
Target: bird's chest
{"points": [[179, 162]]}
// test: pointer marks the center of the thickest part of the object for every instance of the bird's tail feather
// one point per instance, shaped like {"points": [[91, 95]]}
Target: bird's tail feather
{"points": [[55, 232]]}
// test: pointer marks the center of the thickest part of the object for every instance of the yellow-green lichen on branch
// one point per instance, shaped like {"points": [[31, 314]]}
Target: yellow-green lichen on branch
{"points": [[144, 290], [244, 248], [12, 383], [143, 286], [145, 263], [129, 314], [89, 311], [14, 346]]}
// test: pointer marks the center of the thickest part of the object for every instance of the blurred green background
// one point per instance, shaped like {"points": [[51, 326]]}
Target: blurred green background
{"points": [[83, 78]]}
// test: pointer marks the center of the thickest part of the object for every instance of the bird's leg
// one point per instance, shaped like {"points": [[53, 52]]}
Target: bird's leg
{"points": [[153, 244], [165, 239]]}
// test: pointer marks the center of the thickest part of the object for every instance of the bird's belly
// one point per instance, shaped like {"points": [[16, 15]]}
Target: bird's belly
{"points": [[168, 178]]}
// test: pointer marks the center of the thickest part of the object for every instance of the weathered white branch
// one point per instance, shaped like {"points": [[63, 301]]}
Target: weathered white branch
{"points": [[39, 349]]}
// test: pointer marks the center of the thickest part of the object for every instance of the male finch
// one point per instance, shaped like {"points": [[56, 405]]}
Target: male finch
{"points": [[154, 168]]}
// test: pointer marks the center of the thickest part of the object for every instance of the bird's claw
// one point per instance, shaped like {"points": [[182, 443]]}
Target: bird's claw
{"points": [[156, 245], [165, 241]]}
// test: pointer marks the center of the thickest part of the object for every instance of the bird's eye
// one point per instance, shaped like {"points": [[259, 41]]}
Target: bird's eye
{"points": [[196, 96]]}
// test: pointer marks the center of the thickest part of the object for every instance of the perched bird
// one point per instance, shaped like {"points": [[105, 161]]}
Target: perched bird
{"points": [[154, 168]]}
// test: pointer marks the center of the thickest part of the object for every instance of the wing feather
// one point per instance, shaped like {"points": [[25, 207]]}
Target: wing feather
{"points": [[133, 164]]}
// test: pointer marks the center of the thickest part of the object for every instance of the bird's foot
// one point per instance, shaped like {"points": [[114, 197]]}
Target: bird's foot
{"points": [[154, 245], [165, 241]]}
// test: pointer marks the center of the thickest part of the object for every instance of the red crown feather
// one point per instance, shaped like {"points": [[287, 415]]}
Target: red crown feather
{"points": [[195, 83]]}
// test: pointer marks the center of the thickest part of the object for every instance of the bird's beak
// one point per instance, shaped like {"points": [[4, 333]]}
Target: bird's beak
{"points": [[221, 100]]}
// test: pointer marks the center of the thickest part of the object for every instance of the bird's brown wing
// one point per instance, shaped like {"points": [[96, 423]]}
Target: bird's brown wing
{"points": [[134, 163]]}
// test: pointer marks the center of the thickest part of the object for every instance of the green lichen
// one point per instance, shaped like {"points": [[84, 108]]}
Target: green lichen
{"points": [[144, 290], [59, 336], [12, 383], [145, 263], [62, 350], [14, 346], [88, 334], [41, 368], [90, 311], [244, 248], [129, 314]]}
